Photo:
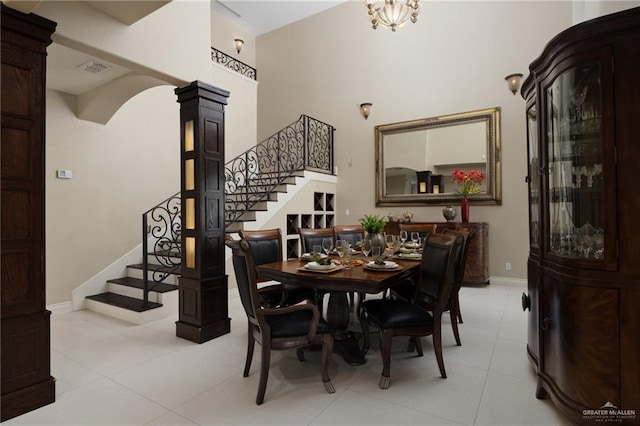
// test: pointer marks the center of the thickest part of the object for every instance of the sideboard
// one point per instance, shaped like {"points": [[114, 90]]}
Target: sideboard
{"points": [[477, 269]]}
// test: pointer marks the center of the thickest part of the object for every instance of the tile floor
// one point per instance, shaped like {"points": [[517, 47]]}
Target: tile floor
{"points": [[113, 373]]}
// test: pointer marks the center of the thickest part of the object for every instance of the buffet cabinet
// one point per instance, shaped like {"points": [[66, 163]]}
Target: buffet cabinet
{"points": [[477, 268], [25, 332], [583, 295]]}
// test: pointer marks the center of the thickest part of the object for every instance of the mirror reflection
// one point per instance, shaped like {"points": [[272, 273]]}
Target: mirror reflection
{"points": [[416, 159]]}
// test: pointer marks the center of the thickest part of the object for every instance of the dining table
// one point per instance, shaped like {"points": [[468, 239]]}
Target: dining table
{"points": [[338, 282]]}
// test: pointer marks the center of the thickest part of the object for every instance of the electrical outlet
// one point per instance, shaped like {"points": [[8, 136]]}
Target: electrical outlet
{"points": [[346, 212], [507, 266]]}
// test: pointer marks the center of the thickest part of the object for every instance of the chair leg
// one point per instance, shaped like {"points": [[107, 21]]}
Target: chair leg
{"points": [[264, 371], [361, 297], [365, 335], [385, 350], [418, 343], [327, 351], [454, 325], [351, 300], [411, 345], [437, 346], [250, 345], [455, 306], [300, 355]]}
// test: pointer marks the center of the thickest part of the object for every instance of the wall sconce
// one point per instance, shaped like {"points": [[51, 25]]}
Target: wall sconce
{"points": [[239, 43], [365, 109], [513, 81]]}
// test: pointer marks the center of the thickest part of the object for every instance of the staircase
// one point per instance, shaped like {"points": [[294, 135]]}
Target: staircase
{"points": [[253, 180]]}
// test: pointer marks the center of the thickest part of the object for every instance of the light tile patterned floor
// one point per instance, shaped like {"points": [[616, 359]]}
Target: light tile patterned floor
{"points": [[113, 373]]}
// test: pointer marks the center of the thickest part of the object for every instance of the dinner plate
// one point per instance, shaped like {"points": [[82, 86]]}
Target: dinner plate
{"points": [[315, 266], [387, 265], [412, 256]]}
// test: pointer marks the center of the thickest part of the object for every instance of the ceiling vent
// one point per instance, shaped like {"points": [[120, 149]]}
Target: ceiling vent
{"points": [[93, 67]]}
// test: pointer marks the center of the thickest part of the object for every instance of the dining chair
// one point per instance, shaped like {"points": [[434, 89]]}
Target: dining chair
{"points": [[461, 266], [353, 234], [406, 290], [280, 328], [310, 237], [396, 317], [266, 247], [423, 229]]}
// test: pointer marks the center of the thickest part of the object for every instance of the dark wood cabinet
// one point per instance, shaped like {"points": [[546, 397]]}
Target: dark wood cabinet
{"points": [[26, 380], [583, 294], [477, 269]]}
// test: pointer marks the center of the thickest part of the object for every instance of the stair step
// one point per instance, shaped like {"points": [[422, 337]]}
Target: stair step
{"points": [[124, 302], [138, 283], [158, 268]]}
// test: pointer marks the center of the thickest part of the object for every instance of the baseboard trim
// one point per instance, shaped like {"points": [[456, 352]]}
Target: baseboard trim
{"points": [[60, 308], [508, 281]]}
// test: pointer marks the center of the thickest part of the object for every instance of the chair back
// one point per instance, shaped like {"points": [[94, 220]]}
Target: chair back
{"points": [[245, 271], [423, 229], [351, 233], [436, 269], [461, 254], [265, 244], [310, 237]]}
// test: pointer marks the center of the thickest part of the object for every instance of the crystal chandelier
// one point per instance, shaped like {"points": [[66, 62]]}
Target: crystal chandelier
{"points": [[392, 13]]}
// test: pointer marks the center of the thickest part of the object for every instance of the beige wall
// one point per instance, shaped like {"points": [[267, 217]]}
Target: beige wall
{"points": [[119, 171], [453, 60], [127, 166]]}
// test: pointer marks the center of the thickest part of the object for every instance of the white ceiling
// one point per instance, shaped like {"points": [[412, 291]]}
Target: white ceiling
{"points": [[261, 16], [255, 16]]}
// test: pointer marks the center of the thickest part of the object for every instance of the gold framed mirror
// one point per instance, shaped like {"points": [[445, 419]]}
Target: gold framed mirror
{"points": [[415, 159]]}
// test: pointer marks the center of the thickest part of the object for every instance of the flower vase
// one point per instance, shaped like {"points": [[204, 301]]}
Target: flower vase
{"points": [[464, 210]]}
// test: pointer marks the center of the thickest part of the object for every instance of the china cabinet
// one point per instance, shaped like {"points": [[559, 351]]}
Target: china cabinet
{"points": [[583, 296]]}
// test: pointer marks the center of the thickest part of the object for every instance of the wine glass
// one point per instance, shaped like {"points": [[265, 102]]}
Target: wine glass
{"points": [[403, 237], [415, 237], [342, 247], [327, 245], [389, 239], [366, 247]]}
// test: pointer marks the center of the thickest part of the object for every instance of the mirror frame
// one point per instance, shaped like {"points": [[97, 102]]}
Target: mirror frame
{"points": [[493, 182]]}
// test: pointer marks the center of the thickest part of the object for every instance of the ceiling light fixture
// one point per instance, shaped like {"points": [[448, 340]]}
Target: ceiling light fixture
{"points": [[513, 81], [392, 13], [239, 43]]}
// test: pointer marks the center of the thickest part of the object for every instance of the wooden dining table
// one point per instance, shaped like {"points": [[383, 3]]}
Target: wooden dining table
{"points": [[338, 283]]}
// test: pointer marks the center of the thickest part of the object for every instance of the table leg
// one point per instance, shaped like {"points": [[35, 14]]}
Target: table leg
{"points": [[345, 342]]}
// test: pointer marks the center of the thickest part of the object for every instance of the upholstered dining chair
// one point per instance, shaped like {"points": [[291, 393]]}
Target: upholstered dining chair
{"points": [[353, 234], [281, 328], [266, 247], [310, 237], [396, 317], [423, 229], [406, 290]]}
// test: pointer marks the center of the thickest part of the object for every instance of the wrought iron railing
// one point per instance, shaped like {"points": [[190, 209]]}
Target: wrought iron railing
{"points": [[233, 64], [161, 226], [306, 144]]}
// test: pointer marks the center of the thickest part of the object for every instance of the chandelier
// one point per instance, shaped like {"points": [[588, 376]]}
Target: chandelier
{"points": [[392, 13]]}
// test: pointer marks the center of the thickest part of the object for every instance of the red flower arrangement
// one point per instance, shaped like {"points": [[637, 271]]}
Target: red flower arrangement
{"points": [[468, 183]]}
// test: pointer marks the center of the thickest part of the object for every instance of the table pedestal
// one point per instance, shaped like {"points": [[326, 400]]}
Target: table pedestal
{"points": [[345, 341]]}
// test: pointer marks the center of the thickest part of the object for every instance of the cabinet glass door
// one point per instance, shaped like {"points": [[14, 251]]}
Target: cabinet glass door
{"points": [[533, 176], [575, 163]]}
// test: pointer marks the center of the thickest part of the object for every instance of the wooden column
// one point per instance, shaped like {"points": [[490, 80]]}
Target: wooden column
{"points": [[203, 305], [26, 368]]}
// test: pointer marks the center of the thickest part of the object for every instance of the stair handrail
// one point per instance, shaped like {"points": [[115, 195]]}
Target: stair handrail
{"points": [[305, 144], [165, 232]]}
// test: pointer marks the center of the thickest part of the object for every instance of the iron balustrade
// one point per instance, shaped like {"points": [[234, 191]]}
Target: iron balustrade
{"points": [[233, 64], [306, 144], [162, 225]]}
